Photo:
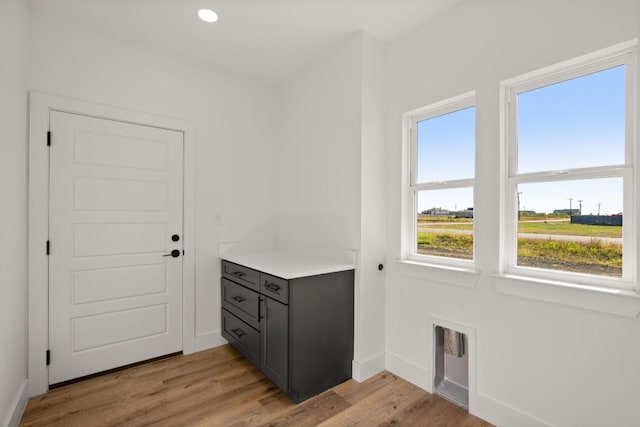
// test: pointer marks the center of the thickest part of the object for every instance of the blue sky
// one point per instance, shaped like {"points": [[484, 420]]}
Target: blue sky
{"points": [[446, 146], [572, 124]]}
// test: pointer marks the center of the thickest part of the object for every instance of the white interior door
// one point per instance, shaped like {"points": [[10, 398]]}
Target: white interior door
{"points": [[115, 213]]}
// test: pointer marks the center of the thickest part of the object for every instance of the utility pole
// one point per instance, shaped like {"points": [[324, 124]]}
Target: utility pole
{"points": [[599, 208], [580, 210], [519, 193], [570, 207]]}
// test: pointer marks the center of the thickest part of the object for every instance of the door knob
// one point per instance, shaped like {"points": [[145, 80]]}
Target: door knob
{"points": [[174, 253]]}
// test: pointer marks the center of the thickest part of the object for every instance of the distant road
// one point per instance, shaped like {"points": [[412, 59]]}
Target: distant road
{"points": [[544, 220], [440, 230], [561, 237], [564, 238], [423, 223]]}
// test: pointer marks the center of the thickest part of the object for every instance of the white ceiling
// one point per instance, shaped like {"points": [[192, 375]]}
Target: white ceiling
{"points": [[263, 39]]}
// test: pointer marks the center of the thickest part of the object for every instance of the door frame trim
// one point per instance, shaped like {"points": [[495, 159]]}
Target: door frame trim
{"points": [[40, 106]]}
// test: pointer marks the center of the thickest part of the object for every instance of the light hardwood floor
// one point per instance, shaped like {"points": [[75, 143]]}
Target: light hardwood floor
{"points": [[218, 387]]}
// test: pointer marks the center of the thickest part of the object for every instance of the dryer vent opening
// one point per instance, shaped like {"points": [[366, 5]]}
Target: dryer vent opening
{"points": [[451, 377]]}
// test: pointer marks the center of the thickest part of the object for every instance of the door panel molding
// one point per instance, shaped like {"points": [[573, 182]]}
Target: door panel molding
{"points": [[40, 107]]}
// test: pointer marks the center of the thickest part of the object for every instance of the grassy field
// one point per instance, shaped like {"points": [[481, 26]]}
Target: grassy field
{"points": [[568, 229], [562, 228], [452, 226], [451, 218], [593, 257], [594, 252], [446, 244]]}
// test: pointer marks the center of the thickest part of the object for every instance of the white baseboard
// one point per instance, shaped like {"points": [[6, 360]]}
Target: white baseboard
{"points": [[501, 414], [363, 370], [480, 405], [209, 340], [12, 419], [418, 375]]}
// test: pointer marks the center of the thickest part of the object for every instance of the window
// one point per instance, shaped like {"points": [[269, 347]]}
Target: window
{"points": [[570, 182], [441, 165]]}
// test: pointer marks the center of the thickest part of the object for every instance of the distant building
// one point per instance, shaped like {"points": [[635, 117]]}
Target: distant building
{"points": [[615, 220], [569, 212], [467, 213], [436, 211]]}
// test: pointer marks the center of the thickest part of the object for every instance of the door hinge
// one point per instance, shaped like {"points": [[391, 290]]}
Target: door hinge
{"points": [[48, 357], [48, 138], [48, 247]]}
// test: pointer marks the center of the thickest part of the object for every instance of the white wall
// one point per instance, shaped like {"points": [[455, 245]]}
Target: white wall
{"points": [[13, 209], [235, 121], [370, 291], [331, 173], [536, 362], [318, 152]]}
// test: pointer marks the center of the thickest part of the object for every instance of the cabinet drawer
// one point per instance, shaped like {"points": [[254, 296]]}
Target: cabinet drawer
{"points": [[241, 301], [241, 274], [274, 287], [242, 336]]}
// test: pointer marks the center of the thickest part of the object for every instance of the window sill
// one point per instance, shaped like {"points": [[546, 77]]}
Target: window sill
{"points": [[444, 274], [612, 301]]}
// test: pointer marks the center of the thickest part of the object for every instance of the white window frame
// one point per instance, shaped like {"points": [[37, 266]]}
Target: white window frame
{"points": [[412, 188], [623, 54]]}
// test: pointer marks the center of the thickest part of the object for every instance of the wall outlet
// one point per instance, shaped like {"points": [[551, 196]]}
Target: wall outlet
{"points": [[218, 218]]}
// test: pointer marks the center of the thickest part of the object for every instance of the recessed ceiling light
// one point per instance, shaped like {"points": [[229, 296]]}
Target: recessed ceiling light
{"points": [[208, 15]]}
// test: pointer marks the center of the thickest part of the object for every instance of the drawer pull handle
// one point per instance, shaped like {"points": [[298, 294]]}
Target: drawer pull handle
{"points": [[238, 332], [272, 287], [238, 298], [239, 273]]}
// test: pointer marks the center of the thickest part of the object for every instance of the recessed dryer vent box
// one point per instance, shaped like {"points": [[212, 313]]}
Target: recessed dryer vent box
{"points": [[451, 380]]}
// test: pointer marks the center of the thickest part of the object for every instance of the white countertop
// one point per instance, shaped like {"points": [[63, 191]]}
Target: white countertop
{"points": [[288, 263]]}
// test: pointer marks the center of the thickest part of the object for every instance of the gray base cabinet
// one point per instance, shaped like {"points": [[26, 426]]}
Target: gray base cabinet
{"points": [[274, 340], [298, 332]]}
